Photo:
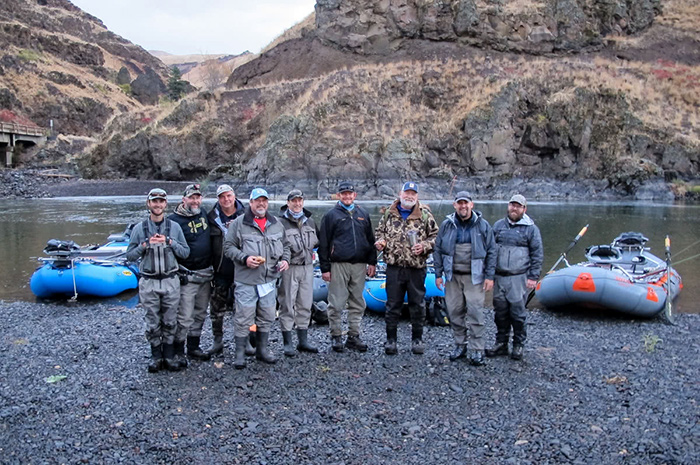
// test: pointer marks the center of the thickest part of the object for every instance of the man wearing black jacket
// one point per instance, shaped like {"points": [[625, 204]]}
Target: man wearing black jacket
{"points": [[227, 209], [346, 252], [195, 287]]}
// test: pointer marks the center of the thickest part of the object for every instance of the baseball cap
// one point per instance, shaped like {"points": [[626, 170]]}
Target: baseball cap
{"points": [[258, 192], [517, 198], [295, 193], [157, 193], [191, 190], [223, 188], [410, 186], [463, 195], [346, 186]]}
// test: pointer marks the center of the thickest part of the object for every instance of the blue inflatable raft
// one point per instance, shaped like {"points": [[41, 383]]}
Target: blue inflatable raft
{"points": [[100, 271], [624, 277], [375, 291]]}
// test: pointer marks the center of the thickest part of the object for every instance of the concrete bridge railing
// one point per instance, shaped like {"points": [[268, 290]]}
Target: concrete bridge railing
{"points": [[12, 134]]}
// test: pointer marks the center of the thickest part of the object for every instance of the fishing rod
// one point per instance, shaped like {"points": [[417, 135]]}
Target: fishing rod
{"points": [[561, 257], [668, 306]]}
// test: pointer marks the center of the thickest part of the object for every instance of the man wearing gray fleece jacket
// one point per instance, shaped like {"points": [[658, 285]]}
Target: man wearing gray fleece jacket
{"points": [[258, 247]]}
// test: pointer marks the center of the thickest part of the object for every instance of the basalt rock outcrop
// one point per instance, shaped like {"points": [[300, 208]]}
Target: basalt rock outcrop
{"points": [[381, 27]]}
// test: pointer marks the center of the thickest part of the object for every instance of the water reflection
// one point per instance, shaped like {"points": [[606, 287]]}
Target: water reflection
{"points": [[28, 224]]}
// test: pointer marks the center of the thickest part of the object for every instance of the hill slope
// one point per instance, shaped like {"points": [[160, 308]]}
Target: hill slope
{"points": [[586, 97], [59, 63]]}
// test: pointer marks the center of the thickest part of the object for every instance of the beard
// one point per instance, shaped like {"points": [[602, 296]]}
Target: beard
{"points": [[194, 210], [408, 204], [260, 212]]}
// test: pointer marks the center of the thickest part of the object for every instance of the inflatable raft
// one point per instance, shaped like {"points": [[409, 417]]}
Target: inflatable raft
{"points": [[624, 277], [71, 270], [375, 290]]}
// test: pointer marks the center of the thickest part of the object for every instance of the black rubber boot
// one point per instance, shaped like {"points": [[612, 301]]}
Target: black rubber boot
{"points": [[459, 352], [390, 344], [417, 346], [180, 358], [169, 362], [193, 350], [262, 352], [337, 344], [304, 345], [498, 350], [156, 359], [517, 353], [289, 350], [218, 347], [239, 361], [250, 343], [217, 329]]}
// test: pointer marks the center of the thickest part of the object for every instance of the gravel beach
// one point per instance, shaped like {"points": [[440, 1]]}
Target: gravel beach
{"points": [[590, 391]]}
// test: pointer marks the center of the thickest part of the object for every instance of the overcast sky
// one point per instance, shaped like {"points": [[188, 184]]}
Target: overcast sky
{"points": [[184, 27]]}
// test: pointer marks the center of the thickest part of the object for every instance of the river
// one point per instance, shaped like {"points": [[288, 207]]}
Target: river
{"points": [[29, 223]]}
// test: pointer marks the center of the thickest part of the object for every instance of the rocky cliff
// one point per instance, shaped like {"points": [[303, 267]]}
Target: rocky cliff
{"points": [[558, 98], [59, 63]]}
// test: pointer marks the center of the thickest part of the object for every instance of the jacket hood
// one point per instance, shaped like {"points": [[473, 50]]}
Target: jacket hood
{"points": [[182, 210], [524, 221]]}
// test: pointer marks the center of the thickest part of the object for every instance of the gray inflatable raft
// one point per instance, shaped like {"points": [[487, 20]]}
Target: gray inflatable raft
{"points": [[624, 277]]}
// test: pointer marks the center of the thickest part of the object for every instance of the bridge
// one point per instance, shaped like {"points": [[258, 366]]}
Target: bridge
{"points": [[12, 134]]}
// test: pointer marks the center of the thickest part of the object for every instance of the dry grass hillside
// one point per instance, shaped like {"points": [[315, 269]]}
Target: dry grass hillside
{"points": [[59, 63]]}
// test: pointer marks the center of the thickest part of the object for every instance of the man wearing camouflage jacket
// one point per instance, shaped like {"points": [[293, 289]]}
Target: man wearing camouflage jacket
{"points": [[406, 234]]}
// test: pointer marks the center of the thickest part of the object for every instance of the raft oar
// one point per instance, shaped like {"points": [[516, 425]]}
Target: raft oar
{"points": [[668, 307], [561, 257]]}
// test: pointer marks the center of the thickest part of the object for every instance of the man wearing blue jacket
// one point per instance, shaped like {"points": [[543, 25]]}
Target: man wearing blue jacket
{"points": [[465, 253], [518, 268]]}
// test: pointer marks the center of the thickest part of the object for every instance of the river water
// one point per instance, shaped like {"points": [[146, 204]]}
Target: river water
{"points": [[29, 223]]}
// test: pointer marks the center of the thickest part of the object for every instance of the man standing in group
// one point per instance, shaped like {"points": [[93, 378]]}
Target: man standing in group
{"points": [[227, 209], [296, 293], [520, 256], [159, 242], [257, 245], [406, 233], [195, 287], [346, 252], [465, 252]]}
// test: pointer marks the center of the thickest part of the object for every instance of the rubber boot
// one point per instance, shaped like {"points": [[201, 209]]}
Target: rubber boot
{"points": [[417, 346], [250, 344], [217, 329], [193, 350], [289, 350], [304, 345], [156, 359], [262, 352], [180, 358], [239, 362], [169, 362], [390, 344]]}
